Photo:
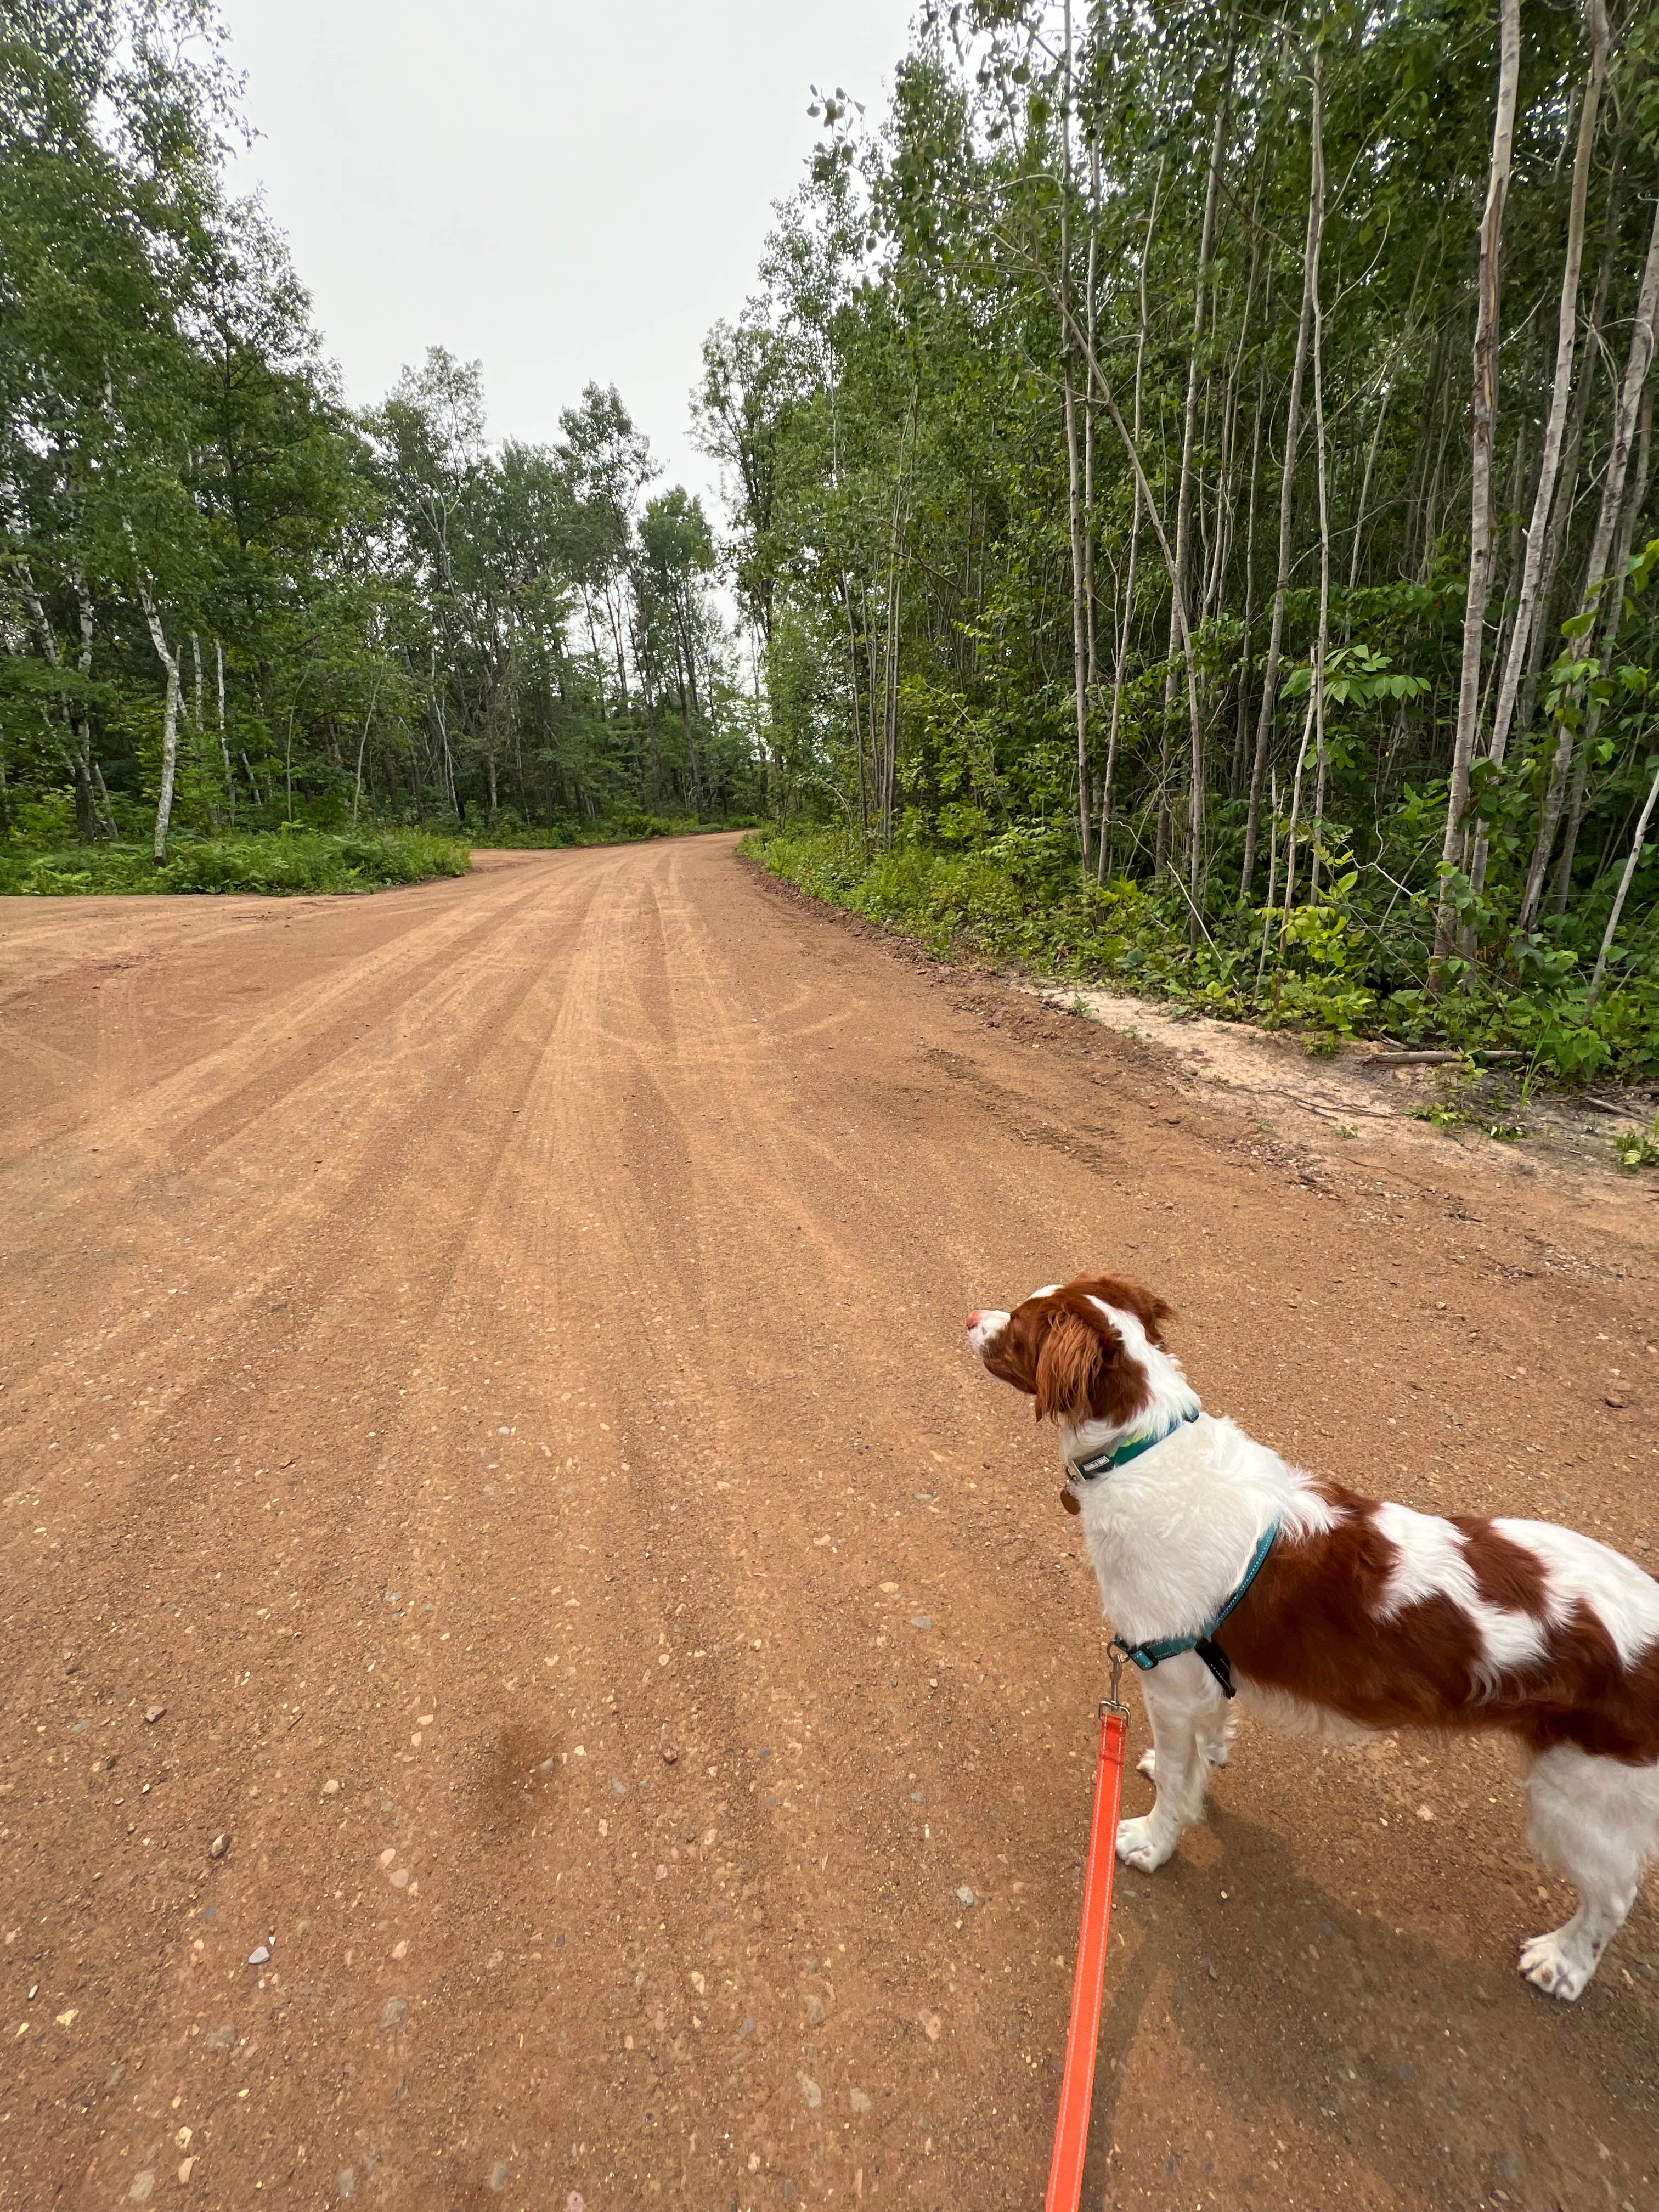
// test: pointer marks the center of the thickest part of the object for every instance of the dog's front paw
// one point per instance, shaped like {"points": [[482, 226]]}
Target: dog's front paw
{"points": [[1548, 1963], [1217, 1750], [1138, 1845]]}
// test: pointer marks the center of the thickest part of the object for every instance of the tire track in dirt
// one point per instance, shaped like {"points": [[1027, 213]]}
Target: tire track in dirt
{"points": [[137, 1570]]}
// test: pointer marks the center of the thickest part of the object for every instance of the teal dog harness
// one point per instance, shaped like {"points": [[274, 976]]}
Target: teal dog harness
{"points": [[1149, 1654], [1156, 1649]]}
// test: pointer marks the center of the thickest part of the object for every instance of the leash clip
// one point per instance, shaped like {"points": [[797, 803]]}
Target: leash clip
{"points": [[1111, 1702]]}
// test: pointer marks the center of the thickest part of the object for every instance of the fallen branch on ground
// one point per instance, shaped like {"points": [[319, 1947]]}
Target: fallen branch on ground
{"points": [[1438, 1059]]}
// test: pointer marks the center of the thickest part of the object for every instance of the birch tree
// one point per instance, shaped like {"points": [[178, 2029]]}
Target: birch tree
{"points": [[1483, 419]]}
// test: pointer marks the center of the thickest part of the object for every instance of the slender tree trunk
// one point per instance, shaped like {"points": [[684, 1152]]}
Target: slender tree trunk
{"points": [[368, 718], [1089, 550], [1144, 490], [224, 741], [1241, 732], [1226, 472], [1620, 895], [889, 750], [1610, 627], [1117, 701], [688, 631], [1287, 504], [1289, 846], [895, 594], [169, 660], [1359, 518], [1527, 608], [614, 623], [1120, 670], [80, 718], [1612, 490], [1449, 413], [1558, 530], [1322, 636], [1422, 444], [1079, 614], [692, 766], [1273, 875], [858, 703], [1485, 413], [875, 683], [1073, 464], [1195, 373]]}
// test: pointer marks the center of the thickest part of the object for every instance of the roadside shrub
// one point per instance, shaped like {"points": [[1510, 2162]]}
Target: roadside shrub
{"points": [[280, 862]]}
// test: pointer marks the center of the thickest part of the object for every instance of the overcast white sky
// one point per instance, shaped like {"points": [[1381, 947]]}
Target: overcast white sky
{"points": [[565, 191]]}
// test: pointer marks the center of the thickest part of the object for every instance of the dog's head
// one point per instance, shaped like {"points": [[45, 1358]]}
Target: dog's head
{"points": [[1077, 1348]]}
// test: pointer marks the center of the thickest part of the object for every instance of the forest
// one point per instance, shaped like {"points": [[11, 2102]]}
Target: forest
{"points": [[1189, 516], [1195, 490], [230, 605]]}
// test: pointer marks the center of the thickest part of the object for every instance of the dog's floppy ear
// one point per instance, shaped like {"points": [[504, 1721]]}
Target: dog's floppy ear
{"points": [[1148, 1309], [1069, 1365]]}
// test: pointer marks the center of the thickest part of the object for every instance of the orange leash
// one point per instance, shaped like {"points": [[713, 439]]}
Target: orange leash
{"points": [[1077, 2088]]}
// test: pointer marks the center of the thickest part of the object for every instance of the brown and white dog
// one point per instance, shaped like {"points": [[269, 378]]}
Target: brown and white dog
{"points": [[1363, 1617]]}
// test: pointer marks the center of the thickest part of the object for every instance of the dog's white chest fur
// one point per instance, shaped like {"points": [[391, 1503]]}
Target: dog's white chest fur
{"points": [[1170, 1534]]}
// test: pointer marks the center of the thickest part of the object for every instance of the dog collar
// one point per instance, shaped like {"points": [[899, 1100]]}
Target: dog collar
{"points": [[1086, 1470], [1149, 1654]]}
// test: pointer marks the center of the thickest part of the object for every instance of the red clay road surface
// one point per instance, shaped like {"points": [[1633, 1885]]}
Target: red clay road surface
{"points": [[489, 1434]]}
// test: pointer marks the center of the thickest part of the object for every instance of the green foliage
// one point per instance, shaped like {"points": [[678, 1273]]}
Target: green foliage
{"points": [[300, 861], [1020, 898], [1636, 1148]]}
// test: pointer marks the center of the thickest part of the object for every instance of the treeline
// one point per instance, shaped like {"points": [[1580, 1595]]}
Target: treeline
{"points": [[1193, 474], [229, 602]]}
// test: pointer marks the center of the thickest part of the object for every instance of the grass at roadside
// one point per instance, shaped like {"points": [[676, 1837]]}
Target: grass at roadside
{"points": [[1022, 899], [274, 862], [300, 857]]}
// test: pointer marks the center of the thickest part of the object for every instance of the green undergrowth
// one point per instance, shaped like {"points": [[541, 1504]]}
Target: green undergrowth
{"points": [[1332, 973], [277, 861]]}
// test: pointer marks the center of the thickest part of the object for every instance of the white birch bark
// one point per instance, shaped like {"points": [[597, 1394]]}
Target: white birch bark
{"points": [[1484, 412], [1135, 548], [1613, 592], [224, 741], [1073, 465], [1184, 496], [1637, 362], [169, 660], [1286, 501], [1322, 636], [1527, 608]]}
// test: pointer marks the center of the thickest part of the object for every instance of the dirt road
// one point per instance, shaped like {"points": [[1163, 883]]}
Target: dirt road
{"points": [[489, 1434]]}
